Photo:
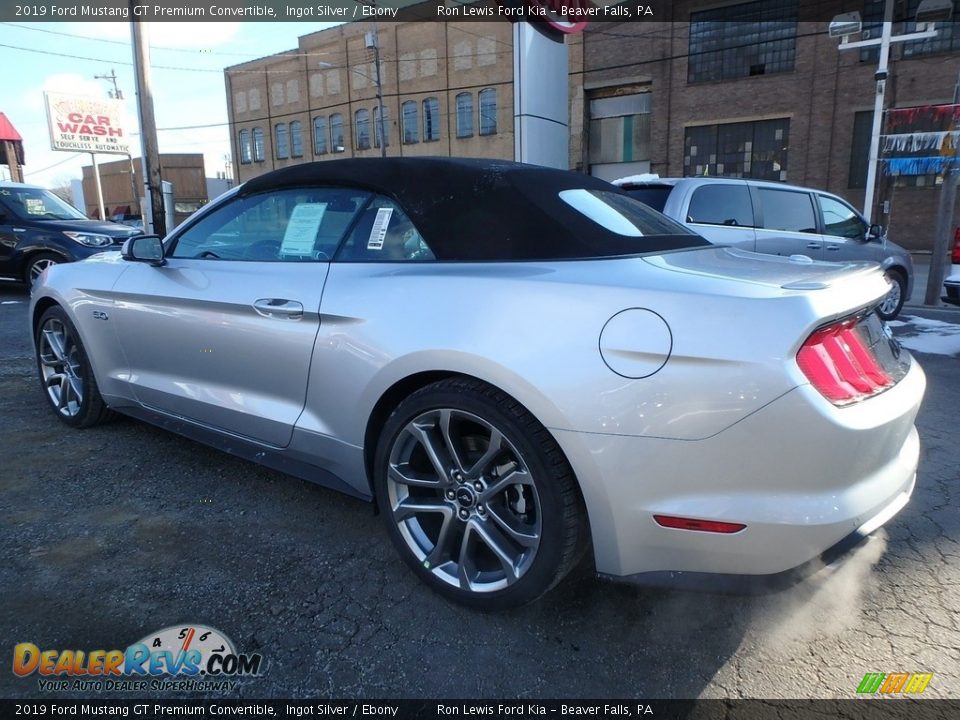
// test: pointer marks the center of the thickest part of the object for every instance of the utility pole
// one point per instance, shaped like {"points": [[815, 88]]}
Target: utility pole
{"points": [[941, 240], [112, 77], [374, 40], [148, 126]]}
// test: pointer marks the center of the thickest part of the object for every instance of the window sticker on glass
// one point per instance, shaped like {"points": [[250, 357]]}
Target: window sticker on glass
{"points": [[34, 206], [302, 229], [379, 230]]}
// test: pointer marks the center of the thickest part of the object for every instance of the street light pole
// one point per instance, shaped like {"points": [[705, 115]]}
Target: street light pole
{"points": [[881, 78], [884, 41]]}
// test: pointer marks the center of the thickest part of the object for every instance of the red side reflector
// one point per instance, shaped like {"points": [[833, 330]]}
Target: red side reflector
{"points": [[955, 255], [701, 525]]}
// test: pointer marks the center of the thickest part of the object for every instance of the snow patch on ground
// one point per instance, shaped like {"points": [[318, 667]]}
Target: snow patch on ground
{"points": [[928, 336]]}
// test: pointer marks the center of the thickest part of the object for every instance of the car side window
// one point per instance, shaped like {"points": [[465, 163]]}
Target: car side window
{"points": [[787, 210], [840, 219], [721, 205], [384, 233], [290, 225]]}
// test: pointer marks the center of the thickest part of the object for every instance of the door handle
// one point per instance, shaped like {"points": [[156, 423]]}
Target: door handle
{"points": [[833, 247], [279, 307], [813, 245]]}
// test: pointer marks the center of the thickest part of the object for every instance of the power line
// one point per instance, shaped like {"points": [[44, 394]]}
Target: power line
{"points": [[74, 156]]}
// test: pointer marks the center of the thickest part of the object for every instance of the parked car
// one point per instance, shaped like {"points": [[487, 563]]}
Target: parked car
{"points": [[951, 286], [515, 363], [38, 229], [778, 219]]}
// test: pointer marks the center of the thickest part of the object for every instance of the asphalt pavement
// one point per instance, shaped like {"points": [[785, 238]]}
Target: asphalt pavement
{"points": [[112, 533]]}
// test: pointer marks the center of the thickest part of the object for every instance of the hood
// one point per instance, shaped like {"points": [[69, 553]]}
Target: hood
{"points": [[111, 229]]}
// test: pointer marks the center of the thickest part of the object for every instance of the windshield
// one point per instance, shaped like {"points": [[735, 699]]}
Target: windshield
{"points": [[37, 204]]}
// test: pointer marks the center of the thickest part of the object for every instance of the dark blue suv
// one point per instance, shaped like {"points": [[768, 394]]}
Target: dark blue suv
{"points": [[38, 229]]}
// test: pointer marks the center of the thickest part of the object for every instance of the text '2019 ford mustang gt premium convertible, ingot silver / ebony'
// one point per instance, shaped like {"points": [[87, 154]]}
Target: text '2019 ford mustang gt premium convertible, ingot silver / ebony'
{"points": [[515, 363]]}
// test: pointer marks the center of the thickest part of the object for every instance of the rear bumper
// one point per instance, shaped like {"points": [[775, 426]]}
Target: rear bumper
{"points": [[802, 475], [775, 582]]}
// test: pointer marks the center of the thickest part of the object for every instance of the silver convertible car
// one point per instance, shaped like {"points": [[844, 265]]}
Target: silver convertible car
{"points": [[517, 364]]}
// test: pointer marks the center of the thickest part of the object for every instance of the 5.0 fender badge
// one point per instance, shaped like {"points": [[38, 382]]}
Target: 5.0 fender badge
{"points": [[100, 315]]}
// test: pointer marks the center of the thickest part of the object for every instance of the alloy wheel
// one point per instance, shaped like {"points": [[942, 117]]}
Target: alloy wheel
{"points": [[892, 301], [464, 500], [61, 367], [37, 268]]}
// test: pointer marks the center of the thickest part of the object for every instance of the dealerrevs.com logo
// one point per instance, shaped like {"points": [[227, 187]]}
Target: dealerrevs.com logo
{"points": [[180, 657]]}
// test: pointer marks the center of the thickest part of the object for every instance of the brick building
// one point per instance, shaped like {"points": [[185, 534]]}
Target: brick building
{"points": [[773, 100], [447, 90]]}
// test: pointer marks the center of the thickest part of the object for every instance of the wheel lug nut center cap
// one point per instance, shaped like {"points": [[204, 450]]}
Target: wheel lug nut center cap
{"points": [[466, 497]]}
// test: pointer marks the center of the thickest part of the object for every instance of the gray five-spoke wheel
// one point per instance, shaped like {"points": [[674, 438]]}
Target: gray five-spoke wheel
{"points": [[60, 367], [464, 500]]}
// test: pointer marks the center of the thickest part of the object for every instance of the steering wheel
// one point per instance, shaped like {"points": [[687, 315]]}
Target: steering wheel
{"points": [[263, 250]]}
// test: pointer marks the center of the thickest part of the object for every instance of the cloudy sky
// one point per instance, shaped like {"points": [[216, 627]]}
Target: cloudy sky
{"points": [[187, 61]]}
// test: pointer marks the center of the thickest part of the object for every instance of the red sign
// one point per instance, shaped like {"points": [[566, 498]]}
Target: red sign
{"points": [[563, 15]]}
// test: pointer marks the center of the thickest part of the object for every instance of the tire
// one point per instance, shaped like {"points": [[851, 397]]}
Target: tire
{"points": [[37, 264], [891, 305], [455, 517], [66, 376]]}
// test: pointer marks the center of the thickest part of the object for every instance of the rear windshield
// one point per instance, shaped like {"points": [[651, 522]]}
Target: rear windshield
{"points": [[621, 214], [655, 197]]}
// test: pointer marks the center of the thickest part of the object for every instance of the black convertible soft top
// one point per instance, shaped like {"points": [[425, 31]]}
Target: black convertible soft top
{"points": [[482, 210]]}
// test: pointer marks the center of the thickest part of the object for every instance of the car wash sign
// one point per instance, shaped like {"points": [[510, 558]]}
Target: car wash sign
{"points": [[82, 124]]}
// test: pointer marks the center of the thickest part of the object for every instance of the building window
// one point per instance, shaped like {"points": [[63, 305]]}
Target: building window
{"points": [[281, 141], [362, 123], [259, 150], [947, 39], [754, 38], [872, 29], [431, 119], [860, 149], [488, 111], [464, 115], [747, 149], [296, 139], [620, 129], [336, 133], [319, 136], [377, 126], [411, 123], [246, 147]]}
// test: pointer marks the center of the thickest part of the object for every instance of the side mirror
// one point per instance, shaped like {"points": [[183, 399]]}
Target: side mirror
{"points": [[144, 248], [874, 232]]}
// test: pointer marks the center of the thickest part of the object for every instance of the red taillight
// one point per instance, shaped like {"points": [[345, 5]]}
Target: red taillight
{"points": [[840, 365], [955, 255], [681, 523]]}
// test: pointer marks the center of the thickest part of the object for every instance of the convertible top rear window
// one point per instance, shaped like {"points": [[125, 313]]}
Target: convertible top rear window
{"points": [[620, 214], [493, 210]]}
